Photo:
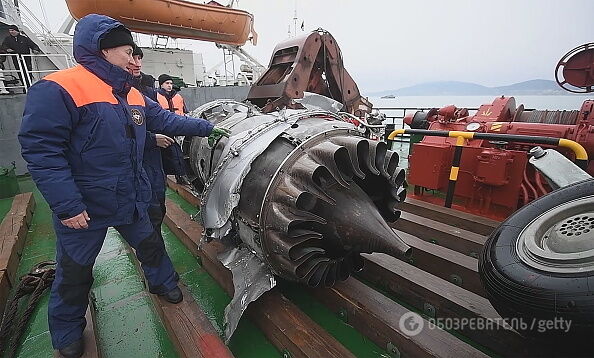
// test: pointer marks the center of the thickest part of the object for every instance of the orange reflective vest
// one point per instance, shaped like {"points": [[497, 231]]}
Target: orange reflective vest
{"points": [[85, 88], [176, 105]]}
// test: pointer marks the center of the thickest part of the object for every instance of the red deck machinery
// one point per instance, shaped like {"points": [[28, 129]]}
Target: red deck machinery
{"points": [[493, 178]]}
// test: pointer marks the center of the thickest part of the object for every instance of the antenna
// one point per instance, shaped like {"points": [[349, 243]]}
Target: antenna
{"points": [[295, 20], [44, 15]]}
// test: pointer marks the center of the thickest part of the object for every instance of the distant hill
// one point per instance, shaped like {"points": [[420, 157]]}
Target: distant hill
{"points": [[455, 88]]}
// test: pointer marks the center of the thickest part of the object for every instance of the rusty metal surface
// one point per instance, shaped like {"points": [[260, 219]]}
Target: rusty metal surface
{"points": [[310, 63]]}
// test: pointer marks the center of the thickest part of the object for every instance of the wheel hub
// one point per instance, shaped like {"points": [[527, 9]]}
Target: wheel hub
{"points": [[560, 240]]}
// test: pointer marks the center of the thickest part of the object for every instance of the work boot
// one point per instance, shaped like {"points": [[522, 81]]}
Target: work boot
{"points": [[173, 296], [74, 349]]}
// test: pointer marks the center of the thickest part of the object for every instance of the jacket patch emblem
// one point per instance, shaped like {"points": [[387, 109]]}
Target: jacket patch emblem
{"points": [[137, 116]]}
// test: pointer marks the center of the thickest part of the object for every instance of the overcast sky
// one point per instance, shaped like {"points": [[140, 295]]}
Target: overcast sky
{"points": [[389, 44]]}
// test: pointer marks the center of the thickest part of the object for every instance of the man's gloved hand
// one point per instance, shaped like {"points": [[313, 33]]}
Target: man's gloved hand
{"points": [[216, 134]]}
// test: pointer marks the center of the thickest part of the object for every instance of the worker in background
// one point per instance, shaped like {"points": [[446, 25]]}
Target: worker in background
{"points": [[19, 44], [155, 145], [168, 98], [143, 82], [172, 101], [83, 137]]}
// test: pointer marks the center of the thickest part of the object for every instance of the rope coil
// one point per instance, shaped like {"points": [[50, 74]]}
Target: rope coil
{"points": [[33, 284]]}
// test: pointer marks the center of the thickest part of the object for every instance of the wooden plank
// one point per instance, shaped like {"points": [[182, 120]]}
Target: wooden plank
{"points": [[441, 299], [190, 331], [91, 347], [21, 214], [283, 323], [194, 335], [13, 231], [463, 241], [445, 263], [466, 221], [24, 205], [288, 328], [379, 319], [183, 191], [10, 257]]}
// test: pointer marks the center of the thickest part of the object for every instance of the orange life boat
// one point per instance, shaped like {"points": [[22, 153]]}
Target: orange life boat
{"points": [[176, 18]]}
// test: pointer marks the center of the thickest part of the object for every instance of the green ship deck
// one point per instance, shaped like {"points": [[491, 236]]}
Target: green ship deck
{"points": [[360, 317], [127, 323]]}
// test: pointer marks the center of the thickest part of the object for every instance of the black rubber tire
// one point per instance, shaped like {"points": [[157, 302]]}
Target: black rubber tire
{"points": [[519, 291]]}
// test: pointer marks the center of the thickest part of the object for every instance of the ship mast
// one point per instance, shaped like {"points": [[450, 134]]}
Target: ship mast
{"points": [[295, 20]]}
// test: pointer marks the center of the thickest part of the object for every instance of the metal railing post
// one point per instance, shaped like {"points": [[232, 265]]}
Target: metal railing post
{"points": [[2, 87], [454, 171], [23, 72]]}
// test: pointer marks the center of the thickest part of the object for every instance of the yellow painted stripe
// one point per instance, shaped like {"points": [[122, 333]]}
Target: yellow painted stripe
{"points": [[580, 152], [454, 173]]}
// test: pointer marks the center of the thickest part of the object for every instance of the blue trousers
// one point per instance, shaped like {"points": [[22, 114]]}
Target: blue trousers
{"points": [[156, 212], [76, 251]]}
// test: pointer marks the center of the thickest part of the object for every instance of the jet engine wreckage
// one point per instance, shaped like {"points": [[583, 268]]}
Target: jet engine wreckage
{"points": [[300, 189]]}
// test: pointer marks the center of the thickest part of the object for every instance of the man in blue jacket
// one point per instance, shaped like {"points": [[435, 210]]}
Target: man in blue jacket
{"points": [[156, 144], [83, 137]]}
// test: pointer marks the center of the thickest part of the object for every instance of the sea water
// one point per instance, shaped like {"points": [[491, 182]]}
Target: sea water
{"points": [[567, 102], [393, 108]]}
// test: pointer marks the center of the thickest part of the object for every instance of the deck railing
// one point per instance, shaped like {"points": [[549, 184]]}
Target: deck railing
{"points": [[395, 120], [13, 79]]}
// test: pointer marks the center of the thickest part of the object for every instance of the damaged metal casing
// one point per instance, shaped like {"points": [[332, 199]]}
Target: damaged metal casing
{"points": [[297, 193]]}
